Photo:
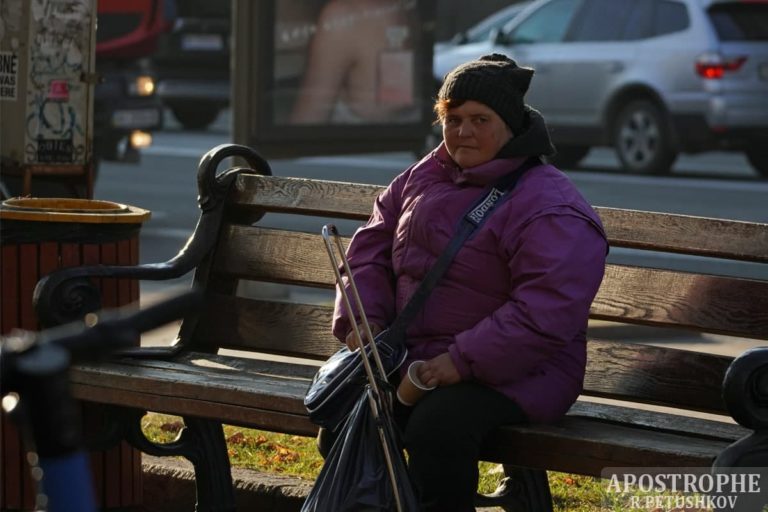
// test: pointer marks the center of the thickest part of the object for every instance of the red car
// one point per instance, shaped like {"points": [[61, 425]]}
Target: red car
{"points": [[126, 108]]}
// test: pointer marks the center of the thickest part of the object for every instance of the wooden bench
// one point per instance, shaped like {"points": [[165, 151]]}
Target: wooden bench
{"points": [[228, 247]]}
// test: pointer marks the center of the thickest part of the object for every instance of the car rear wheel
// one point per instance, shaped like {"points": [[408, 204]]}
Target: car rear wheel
{"points": [[642, 138], [758, 158], [568, 156], [195, 117]]}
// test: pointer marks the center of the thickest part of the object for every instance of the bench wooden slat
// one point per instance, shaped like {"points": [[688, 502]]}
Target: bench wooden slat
{"points": [[576, 443], [666, 298], [662, 298], [320, 198], [717, 238], [658, 421], [289, 329], [660, 375], [245, 416], [227, 380], [584, 446], [265, 254], [747, 241], [188, 367], [624, 371]]}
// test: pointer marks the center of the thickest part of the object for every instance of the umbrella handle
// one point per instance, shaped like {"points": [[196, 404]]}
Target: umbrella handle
{"points": [[331, 237], [373, 391]]}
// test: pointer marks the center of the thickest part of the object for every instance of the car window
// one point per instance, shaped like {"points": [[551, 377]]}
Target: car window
{"points": [[482, 31], [669, 17], [547, 24], [639, 21], [590, 23], [740, 22]]}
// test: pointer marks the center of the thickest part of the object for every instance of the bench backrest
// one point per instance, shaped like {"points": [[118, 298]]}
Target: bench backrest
{"points": [[636, 295]]}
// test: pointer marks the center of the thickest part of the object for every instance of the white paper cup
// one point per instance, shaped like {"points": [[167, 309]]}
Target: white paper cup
{"points": [[411, 389]]}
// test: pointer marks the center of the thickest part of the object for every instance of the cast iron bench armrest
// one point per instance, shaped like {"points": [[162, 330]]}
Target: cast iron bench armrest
{"points": [[69, 294]]}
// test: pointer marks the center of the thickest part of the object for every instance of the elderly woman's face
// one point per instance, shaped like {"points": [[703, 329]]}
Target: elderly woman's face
{"points": [[474, 133]]}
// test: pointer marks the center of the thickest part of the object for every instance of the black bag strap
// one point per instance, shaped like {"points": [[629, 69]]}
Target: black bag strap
{"points": [[470, 222]]}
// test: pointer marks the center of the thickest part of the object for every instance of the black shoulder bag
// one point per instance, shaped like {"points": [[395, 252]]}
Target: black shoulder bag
{"points": [[339, 381]]}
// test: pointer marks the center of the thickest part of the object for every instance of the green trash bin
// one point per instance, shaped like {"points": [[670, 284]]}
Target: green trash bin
{"points": [[38, 236]]}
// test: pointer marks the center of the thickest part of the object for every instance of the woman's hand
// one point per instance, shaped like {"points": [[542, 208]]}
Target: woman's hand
{"points": [[439, 371], [351, 339]]}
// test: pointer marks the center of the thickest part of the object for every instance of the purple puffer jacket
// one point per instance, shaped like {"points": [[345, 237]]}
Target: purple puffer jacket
{"points": [[512, 308]]}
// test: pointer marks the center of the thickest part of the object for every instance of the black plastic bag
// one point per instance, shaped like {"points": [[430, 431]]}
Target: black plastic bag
{"points": [[355, 476]]}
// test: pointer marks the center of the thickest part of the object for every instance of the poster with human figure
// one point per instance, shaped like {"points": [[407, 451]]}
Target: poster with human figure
{"points": [[335, 73], [353, 60]]}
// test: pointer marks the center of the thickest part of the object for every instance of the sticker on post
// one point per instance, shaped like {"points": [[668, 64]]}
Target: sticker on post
{"points": [[58, 90], [55, 151], [9, 75]]}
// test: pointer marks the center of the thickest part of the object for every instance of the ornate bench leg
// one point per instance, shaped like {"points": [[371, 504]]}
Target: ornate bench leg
{"points": [[202, 443], [521, 490], [213, 474]]}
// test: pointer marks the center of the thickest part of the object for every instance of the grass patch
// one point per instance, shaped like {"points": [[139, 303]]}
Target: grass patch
{"points": [[249, 448], [297, 456]]}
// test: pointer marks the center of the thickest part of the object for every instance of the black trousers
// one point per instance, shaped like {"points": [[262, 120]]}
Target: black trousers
{"points": [[442, 434]]}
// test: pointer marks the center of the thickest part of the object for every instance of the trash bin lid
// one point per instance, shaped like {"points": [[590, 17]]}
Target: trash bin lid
{"points": [[54, 209]]}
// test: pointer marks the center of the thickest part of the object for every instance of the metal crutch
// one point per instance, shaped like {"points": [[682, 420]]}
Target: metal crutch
{"points": [[329, 230]]}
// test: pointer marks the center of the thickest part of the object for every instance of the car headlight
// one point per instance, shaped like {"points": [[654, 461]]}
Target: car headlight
{"points": [[140, 139], [142, 85]]}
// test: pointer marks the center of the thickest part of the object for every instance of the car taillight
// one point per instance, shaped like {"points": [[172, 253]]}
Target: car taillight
{"points": [[713, 65]]}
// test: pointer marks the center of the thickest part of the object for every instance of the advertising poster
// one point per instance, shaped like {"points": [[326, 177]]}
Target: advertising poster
{"points": [[336, 75]]}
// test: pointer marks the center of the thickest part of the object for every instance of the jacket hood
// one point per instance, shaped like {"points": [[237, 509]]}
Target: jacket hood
{"points": [[532, 141]]}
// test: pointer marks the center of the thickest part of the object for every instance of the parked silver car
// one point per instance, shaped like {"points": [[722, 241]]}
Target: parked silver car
{"points": [[481, 33], [652, 78]]}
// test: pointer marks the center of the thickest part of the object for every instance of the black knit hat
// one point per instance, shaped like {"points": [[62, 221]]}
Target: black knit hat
{"points": [[495, 80]]}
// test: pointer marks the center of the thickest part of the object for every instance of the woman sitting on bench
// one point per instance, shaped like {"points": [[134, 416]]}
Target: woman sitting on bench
{"points": [[503, 332]]}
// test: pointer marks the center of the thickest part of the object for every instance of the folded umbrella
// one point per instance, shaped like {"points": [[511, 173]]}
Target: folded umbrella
{"points": [[365, 469]]}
